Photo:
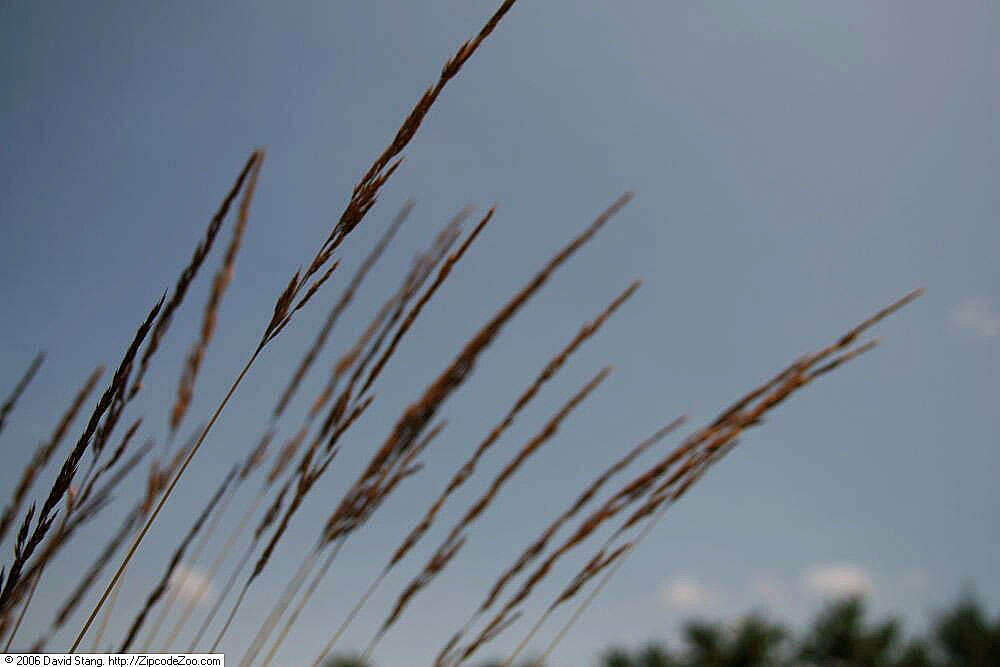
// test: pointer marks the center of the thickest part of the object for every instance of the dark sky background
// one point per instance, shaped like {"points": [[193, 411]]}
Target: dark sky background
{"points": [[797, 165]]}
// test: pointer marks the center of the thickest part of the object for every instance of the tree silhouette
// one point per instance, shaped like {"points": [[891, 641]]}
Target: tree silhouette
{"points": [[657, 656], [966, 636], [753, 642], [756, 643], [839, 637], [916, 654], [653, 655]]}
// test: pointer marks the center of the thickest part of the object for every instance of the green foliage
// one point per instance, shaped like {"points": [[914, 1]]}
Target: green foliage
{"points": [[753, 642], [653, 655], [967, 637], [840, 636]]}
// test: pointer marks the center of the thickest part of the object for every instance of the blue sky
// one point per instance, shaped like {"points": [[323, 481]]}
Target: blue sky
{"points": [[797, 165]]}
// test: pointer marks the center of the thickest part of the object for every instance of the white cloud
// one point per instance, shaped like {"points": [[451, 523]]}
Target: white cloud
{"points": [[192, 583], [838, 579], [686, 594], [976, 315]]}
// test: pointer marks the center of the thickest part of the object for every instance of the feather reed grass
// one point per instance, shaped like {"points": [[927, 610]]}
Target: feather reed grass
{"points": [[159, 332], [468, 468], [188, 275], [339, 307], [70, 502], [155, 482], [175, 560], [457, 538], [365, 496], [637, 505], [185, 389], [12, 589], [536, 548], [356, 506], [270, 516], [715, 441], [367, 493], [45, 451], [22, 384], [252, 461], [224, 276], [405, 326], [215, 515], [76, 499], [391, 311], [331, 557], [363, 198]]}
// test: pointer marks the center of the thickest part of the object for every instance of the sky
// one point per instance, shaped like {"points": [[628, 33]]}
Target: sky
{"points": [[797, 165]]}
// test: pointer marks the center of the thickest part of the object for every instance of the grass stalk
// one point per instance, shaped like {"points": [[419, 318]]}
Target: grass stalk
{"points": [[175, 588], [162, 501], [213, 569], [45, 451], [176, 560], [8, 405]]}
